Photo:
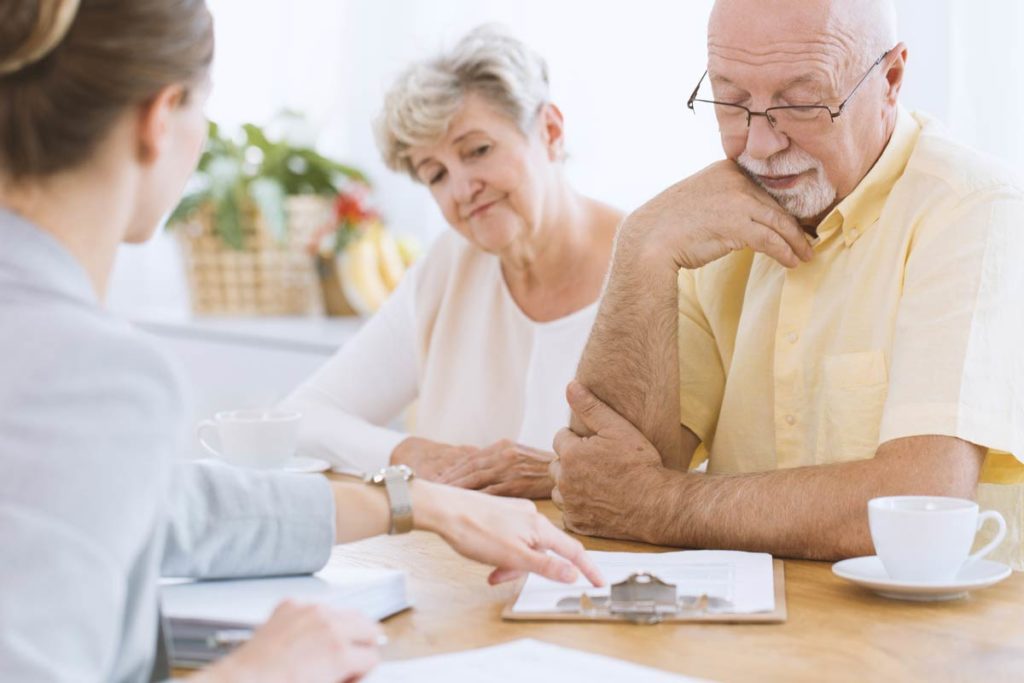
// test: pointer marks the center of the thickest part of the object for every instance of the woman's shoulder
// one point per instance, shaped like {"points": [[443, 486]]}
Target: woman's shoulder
{"points": [[605, 217], [451, 259], [448, 249], [77, 347], [450, 284]]}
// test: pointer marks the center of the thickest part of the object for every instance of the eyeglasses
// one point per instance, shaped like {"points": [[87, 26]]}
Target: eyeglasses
{"points": [[796, 119]]}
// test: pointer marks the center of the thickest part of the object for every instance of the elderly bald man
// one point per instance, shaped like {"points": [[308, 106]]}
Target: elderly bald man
{"points": [[830, 314]]}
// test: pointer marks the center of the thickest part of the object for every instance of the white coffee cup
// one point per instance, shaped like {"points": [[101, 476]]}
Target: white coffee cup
{"points": [[928, 538], [252, 438]]}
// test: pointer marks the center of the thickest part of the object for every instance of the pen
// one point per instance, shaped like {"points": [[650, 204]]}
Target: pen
{"points": [[233, 637]]}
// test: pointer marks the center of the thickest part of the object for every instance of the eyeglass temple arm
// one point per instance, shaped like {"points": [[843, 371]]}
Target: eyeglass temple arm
{"points": [[693, 95], [835, 114]]}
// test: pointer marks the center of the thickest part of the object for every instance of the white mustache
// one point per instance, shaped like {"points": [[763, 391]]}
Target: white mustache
{"points": [[792, 162], [804, 201]]}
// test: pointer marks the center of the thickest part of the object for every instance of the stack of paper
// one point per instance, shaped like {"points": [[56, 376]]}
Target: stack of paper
{"points": [[745, 580], [196, 611], [517, 661]]}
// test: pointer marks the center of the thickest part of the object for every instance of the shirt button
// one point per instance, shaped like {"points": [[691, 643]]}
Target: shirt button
{"points": [[791, 420], [854, 233], [792, 337]]}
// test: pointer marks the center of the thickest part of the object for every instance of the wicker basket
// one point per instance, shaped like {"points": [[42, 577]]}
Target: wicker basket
{"points": [[265, 277]]}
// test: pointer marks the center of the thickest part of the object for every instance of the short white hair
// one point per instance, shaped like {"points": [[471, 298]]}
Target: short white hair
{"points": [[422, 101]]}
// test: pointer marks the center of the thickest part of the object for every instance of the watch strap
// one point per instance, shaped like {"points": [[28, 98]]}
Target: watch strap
{"points": [[397, 484]]}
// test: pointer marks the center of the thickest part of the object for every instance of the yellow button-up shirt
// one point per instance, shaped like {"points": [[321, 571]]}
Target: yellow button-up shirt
{"points": [[909, 320]]}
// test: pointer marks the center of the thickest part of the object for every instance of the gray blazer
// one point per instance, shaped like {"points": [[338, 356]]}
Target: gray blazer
{"points": [[92, 506]]}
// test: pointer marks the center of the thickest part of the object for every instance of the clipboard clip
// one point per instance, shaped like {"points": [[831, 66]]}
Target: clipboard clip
{"points": [[643, 598]]}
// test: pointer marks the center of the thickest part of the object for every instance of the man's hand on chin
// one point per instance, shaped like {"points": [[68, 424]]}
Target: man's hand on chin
{"points": [[604, 482], [708, 215]]}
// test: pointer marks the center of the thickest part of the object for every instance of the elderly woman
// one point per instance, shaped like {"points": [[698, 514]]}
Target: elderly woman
{"points": [[486, 331]]}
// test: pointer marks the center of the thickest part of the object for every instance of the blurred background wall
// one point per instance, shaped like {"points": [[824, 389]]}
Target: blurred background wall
{"points": [[620, 71]]}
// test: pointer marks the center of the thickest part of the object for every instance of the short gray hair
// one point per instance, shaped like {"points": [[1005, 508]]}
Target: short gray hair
{"points": [[423, 99]]}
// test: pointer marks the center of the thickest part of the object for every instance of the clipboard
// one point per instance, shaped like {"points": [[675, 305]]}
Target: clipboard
{"points": [[643, 598]]}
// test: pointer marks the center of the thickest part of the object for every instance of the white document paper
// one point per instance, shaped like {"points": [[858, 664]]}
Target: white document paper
{"points": [[744, 579], [518, 661]]}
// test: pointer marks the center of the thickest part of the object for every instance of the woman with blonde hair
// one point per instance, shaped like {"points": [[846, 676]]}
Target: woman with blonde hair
{"points": [[101, 123], [486, 331]]}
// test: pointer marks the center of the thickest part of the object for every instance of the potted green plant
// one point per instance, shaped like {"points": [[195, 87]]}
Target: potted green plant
{"points": [[247, 217], [236, 174]]}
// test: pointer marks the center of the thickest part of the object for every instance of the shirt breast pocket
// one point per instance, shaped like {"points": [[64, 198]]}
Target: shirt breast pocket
{"points": [[854, 387]]}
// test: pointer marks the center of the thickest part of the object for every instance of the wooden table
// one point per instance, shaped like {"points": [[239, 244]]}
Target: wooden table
{"points": [[835, 631]]}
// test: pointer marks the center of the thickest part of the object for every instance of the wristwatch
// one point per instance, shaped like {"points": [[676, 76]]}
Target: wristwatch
{"points": [[396, 478]]}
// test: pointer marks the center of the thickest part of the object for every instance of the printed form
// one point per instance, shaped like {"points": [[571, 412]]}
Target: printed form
{"points": [[745, 580]]}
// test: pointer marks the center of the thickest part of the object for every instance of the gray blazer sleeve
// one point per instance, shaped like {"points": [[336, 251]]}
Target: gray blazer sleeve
{"points": [[226, 522]]}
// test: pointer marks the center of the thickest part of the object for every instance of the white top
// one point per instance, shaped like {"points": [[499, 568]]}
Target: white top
{"points": [[451, 336]]}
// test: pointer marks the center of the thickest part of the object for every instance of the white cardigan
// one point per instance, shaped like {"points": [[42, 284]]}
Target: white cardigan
{"points": [[452, 338]]}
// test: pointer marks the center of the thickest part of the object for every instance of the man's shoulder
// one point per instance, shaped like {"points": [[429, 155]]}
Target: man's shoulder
{"points": [[953, 169]]}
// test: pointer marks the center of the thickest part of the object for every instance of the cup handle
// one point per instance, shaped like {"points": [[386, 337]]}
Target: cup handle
{"points": [[989, 514], [206, 425]]}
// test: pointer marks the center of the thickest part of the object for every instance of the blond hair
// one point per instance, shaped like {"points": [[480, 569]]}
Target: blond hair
{"points": [[52, 23], [423, 99]]}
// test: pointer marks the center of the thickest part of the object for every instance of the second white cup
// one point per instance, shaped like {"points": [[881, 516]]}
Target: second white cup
{"points": [[262, 439], [928, 538]]}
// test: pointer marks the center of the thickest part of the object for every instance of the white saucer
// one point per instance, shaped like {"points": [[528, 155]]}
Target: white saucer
{"points": [[301, 464], [869, 572]]}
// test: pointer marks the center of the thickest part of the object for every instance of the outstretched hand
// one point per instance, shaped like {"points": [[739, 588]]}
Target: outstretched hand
{"points": [[506, 533]]}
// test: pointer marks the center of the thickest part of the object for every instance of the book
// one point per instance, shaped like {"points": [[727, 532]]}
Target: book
{"points": [[196, 613]]}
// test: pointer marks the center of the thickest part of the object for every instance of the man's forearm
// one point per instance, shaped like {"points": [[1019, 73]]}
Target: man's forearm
{"points": [[815, 512], [631, 360], [810, 512]]}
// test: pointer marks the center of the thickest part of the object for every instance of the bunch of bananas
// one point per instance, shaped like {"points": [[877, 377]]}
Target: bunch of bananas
{"points": [[371, 265]]}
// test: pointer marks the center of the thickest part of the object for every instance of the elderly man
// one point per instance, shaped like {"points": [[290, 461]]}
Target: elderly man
{"points": [[834, 313]]}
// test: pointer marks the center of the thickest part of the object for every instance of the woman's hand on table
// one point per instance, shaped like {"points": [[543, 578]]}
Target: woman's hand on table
{"points": [[505, 468], [430, 459], [506, 533], [306, 643]]}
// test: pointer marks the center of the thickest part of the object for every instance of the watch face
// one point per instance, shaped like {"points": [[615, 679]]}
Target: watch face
{"points": [[380, 476]]}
